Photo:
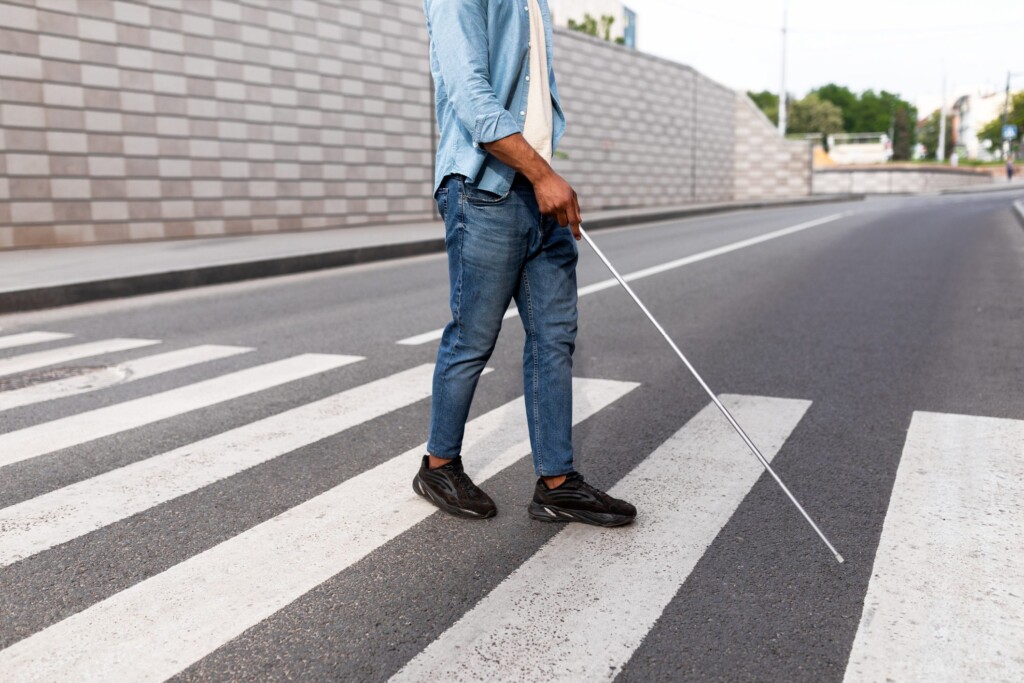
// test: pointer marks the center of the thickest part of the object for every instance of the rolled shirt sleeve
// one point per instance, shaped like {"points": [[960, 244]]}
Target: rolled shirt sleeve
{"points": [[460, 47]]}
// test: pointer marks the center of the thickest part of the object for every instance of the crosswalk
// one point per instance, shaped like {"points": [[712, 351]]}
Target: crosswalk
{"points": [[955, 504], [946, 598], [501, 638]]}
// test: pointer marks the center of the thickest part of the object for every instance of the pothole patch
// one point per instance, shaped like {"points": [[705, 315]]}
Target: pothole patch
{"points": [[27, 379]]}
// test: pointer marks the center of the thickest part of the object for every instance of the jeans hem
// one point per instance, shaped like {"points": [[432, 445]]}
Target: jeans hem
{"points": [[543, 475]]}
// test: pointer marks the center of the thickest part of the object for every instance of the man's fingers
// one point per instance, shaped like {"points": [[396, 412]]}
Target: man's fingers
{"points": [[575, 219]]}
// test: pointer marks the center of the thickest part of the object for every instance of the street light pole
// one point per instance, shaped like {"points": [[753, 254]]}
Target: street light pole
{"points": [[940, 152], [782, 90], [1006, 116]]}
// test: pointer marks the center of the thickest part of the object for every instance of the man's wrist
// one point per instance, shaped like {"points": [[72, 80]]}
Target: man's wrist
{"points": [[538, 172]]}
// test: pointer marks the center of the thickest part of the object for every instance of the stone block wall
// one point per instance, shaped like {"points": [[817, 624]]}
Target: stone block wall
{"points": [[885, 180], [642, 131], [149, 119], [767, 165], [124, 120]]}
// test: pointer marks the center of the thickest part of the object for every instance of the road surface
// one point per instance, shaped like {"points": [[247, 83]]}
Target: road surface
{"points": [[214, 484]]}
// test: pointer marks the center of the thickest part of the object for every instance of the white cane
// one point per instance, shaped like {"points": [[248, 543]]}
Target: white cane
{"points": [[718, 403]]}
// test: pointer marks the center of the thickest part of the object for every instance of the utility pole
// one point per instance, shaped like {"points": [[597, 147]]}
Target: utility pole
{"points": [[782, 90], [940, 152], [1006, 114]]}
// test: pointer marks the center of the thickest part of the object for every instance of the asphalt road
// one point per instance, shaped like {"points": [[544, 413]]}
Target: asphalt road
{"points": [[872, 313]]}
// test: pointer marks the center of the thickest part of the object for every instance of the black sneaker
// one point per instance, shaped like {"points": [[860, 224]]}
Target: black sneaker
{"points": [[451, 489], [578, 501]]}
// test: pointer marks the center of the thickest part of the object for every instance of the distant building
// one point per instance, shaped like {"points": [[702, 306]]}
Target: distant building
{"points": [[968, 116], [624, 26]]}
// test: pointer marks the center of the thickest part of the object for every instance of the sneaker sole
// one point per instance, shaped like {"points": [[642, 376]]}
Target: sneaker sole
{"points": [[551, 513], [425, 492]]}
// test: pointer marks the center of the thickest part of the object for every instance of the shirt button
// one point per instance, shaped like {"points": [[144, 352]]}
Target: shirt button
{"points": [[527, 78], [522, 113]]}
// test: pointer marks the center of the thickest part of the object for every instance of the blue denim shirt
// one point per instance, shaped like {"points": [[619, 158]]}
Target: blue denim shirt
{"points": [[479, 57]]}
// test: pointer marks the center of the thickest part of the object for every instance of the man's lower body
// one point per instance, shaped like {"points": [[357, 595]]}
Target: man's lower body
{"points": [[500, 249]]}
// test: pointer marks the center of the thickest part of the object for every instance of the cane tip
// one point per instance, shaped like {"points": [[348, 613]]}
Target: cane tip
{"points": [[839, 558]]}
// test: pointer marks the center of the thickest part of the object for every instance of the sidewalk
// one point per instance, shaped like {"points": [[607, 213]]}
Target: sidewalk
{"points": [[1000, 185], [44, 278]]}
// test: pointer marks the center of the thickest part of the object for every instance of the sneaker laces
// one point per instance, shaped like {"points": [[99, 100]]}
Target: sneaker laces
{"points": [[598, 493], [462, 481]]}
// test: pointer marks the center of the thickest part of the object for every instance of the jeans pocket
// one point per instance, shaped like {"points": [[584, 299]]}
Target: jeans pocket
{"points": [[474, 195], [442, 201]]}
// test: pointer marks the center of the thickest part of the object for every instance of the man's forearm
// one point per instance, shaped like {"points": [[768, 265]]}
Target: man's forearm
{"points": [[516, 152]]}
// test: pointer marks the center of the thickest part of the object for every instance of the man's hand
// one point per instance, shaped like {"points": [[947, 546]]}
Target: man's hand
{"points": [[555, 197]]}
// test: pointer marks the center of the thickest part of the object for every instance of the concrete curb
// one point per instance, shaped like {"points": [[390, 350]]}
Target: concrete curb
{"points": [[1018, 210], [984, 189], [149, 283]]}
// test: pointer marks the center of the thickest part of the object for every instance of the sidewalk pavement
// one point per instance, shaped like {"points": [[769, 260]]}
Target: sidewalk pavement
{"points": [[1000, 185], [44, 278]]}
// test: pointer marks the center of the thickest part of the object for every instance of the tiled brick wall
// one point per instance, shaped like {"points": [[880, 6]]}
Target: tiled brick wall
{"points": [[767, 166], [895, 180], [131, 119], [167, 118], [642, 131]]}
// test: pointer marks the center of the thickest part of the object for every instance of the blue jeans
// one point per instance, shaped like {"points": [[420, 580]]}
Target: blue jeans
{"points": [[501, 248]]}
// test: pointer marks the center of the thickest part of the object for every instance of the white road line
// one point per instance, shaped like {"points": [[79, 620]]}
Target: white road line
{"points": [[434, 335], [25, 338], [41, 523], [66, 354], [121, 373], [160, 626], [52, 436], [578, 608], [946, 597]]}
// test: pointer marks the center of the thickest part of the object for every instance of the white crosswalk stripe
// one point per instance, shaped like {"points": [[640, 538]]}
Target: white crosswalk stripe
{"points": [[158, 627], [604, 609], [66, 513], [52, 436], [946, 597], [942, 603], [66, 354], [122, 373], [11, 341]]}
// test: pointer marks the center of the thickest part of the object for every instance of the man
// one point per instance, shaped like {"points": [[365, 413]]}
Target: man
{"points": [[505, 212]]}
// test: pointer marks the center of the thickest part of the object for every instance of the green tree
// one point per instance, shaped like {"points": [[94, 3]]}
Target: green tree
{"points": [[871, 112], [842, 97], [928, 135], [814, 115], [588, 25], [599, 28], [903, 135], [993, 130], [767, 102], [868, 112]]}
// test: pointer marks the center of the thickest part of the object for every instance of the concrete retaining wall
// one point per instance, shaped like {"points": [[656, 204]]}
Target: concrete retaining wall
{"points": [[767, 166], [126, 120], [642, 131], [173, 118], [895, 180]]}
